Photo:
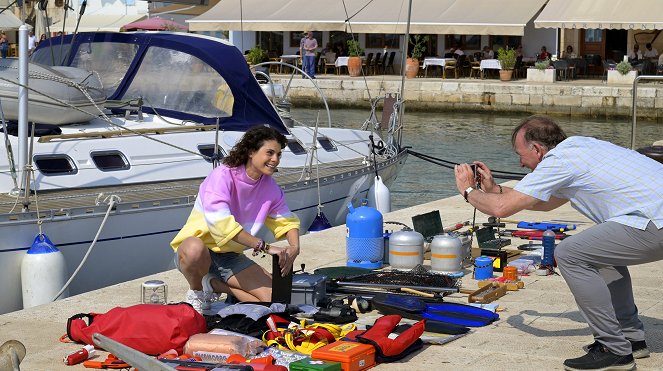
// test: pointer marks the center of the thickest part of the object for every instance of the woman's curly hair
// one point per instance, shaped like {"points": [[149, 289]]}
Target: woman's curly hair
{"points": [[251, 142]]}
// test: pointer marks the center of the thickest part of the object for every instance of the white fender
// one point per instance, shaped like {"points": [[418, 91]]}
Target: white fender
{"points": [[379, 196], [43, 273]]}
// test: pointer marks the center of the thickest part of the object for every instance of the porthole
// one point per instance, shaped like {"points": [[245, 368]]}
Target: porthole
{"points": [[296, 147], [208, 151], [327, 144], [55, 165], [110, 160]]}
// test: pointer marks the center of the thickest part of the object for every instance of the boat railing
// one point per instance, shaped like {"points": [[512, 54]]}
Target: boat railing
{"points": [[125, 132], [634, 116]]}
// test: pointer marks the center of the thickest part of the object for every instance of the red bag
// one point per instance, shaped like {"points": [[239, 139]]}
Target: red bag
{"points": [[149, 328]]}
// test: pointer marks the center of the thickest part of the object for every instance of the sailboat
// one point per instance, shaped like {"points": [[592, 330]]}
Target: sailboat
{"points": [[111, 191]]}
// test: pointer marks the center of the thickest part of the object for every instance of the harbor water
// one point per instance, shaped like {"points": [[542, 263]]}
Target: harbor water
{"points": [[466, 137]]}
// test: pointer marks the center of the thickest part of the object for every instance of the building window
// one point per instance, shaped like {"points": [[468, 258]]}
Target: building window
{"points": [[380, 40], [55, 165], [512, 42], [466, 42], [208, 150], [593, 36], [296, 38], [110, 160]]}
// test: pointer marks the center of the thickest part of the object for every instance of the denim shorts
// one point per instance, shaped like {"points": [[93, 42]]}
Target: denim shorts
{"points": [[225, 265]]}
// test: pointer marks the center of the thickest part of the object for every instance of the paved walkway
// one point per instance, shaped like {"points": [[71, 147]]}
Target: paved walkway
{"points": [[540, 327]]}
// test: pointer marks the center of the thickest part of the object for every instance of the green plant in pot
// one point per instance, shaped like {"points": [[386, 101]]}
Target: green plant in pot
{"points": [[542, 65], [624, 67], [418, 46], [354, 62], [507, 58], [255, 55]]}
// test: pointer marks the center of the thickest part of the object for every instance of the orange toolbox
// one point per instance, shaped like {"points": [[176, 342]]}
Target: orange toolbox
{"points": [[353, 356]]}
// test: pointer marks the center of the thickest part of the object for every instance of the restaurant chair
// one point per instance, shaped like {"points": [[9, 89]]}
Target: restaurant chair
{"points": [[390, 63], [449, 66], [317, 65], [607, 65], [561, 69], [330, 62], [382, 62], [374, 64], [475, 69], [366, 63]]}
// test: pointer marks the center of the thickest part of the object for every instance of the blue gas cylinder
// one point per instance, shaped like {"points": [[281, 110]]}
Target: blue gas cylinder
{"points": [[364, 237]]}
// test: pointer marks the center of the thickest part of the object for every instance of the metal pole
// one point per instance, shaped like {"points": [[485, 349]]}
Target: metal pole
{"points": [[23, 102], [634, 116]]}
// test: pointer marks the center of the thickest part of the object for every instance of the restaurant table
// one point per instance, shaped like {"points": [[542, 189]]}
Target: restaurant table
{"points": [[289, 58], [430, 61], [490, 64]]}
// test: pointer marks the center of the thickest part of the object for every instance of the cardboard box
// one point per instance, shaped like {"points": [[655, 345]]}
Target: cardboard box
{"points": [[308, 288], [353, 356]]}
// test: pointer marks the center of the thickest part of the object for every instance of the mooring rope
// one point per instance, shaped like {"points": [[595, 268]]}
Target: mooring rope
{"points": [[498, 174]]}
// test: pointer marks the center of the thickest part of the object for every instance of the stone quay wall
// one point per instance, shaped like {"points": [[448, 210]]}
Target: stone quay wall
{"points": [[585, 98]]}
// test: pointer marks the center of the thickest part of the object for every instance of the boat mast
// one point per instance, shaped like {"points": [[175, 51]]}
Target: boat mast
{"points": [[23, 107], [406, 43]]}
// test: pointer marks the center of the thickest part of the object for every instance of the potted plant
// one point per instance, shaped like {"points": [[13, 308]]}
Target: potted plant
{"points": [[507, 58], [543, 71], [354, 62], [255, 56], [622, 73], [416, 53]]}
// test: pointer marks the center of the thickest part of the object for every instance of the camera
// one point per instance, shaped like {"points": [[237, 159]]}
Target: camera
{"points": [[477, 176]]}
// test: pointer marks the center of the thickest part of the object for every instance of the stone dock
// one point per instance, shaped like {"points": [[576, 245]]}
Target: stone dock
{"points": [[592, 98], [539, 326]]}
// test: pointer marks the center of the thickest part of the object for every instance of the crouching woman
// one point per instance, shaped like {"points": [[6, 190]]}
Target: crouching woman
{"points": [[234, 202]]}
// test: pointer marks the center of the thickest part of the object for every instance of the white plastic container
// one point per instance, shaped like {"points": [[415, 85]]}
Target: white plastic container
{"points": [[524, 266]]}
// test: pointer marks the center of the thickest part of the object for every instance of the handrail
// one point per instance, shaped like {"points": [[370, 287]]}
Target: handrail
{"points": [[634, 116], [119, 133]]}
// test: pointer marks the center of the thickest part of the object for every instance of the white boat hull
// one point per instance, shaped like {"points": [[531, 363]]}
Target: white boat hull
{"points": [[135, 239]]}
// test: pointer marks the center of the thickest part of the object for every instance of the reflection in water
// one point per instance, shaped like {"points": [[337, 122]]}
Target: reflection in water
{"points": [[465, 137]]}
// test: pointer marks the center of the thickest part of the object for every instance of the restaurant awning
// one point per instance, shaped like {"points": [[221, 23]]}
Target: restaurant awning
{"points": [[602, 14], [96, 22], [9, 21], [504, 17]]}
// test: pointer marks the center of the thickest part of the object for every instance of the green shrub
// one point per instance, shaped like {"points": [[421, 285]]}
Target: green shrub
{"points": [[624, 67], [419, 46], [507, 58], [354, 50], [256, 55], [542, 65]]}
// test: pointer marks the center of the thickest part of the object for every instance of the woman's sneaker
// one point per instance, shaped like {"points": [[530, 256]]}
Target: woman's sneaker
{"points": [[199, 300], [639, 348]]}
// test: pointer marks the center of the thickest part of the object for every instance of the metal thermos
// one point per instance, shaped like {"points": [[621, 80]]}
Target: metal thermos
{"points": [[406, 249], [447, 254]]}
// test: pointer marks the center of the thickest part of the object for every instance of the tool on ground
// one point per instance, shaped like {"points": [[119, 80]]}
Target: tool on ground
{"points": [[509, 285], [456, 226], [428, 224], [486, 238], [533, 235], [79, 356], [418, 279], [422, 293], [111, 362], [542, 226], [133, 357], [486, 294]]}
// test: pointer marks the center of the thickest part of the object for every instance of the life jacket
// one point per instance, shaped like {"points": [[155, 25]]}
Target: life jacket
{"points": [[387, 347]]}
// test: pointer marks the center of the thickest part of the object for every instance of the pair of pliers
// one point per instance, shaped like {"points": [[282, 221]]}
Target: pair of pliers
{"points": [[111, 362]]}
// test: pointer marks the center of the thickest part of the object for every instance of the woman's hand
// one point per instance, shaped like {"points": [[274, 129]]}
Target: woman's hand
{"points": [[287, 256]]}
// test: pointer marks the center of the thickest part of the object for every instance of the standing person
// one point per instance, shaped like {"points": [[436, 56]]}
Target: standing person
{"points": [[234, 202], [617, 188], [4, 44], [307, 47], [31, 43]]}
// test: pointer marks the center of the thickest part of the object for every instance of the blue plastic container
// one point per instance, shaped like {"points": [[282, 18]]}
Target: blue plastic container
{"points": [[483, 268], [364, 237]]}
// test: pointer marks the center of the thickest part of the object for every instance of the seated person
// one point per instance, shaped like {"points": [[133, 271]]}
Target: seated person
{"points": [[635, 57], [458, 52], [650, 52], [569, 53], [543, 55], [488, 53], [660, 59], [519, 51]]}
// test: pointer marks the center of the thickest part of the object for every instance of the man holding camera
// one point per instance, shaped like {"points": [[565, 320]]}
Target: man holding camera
{"points": [[617, 188]]}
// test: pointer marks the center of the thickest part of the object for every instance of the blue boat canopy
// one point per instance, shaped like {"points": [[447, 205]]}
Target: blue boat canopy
{"points": [[180, 75]]}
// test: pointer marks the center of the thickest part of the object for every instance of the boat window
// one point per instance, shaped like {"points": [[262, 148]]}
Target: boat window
{"points": [[208, 150], [177, 81], [295, 147], [110, 160], [327, 144], [108, 60], [55, 164]]}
